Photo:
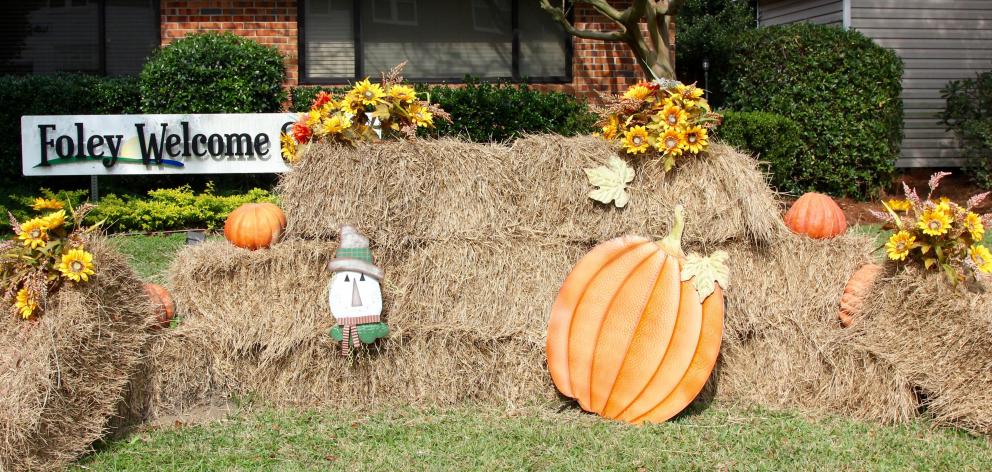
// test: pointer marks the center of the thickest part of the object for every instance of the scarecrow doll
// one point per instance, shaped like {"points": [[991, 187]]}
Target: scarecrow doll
{"points": [[354, 293]]}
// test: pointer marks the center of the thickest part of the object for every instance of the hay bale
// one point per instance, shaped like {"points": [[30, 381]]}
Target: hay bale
{"points": [[402, 193], [938, 338], [61, 378]]}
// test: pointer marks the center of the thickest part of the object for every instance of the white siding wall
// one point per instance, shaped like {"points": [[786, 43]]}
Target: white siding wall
{"points": [[939, 41], [779, 12]]}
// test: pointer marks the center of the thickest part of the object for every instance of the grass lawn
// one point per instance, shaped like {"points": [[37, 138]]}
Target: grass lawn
{"points": [[475, 438]]}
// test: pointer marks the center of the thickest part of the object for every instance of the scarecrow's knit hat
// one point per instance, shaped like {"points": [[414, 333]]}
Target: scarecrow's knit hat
{"points": [[354, 254]]}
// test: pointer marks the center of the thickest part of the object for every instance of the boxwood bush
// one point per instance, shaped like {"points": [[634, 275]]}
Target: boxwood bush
{"points": [[968, 114], [484, 112], [60, 94], [774, 139], [839, 87], [213, 73]]}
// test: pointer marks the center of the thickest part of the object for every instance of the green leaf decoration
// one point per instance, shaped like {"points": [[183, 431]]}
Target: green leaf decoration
{"points": [[612, 180], [706, 272]]}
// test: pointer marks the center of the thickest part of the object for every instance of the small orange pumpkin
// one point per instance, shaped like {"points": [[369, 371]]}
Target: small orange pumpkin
{"points": [[817, 216], [857, 287], [255, 225], [165, 308], [627, 337]]}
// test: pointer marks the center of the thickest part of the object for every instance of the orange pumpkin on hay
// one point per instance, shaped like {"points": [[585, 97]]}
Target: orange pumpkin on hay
{"points": [[817, 216], [636, 329], [255, 225]]}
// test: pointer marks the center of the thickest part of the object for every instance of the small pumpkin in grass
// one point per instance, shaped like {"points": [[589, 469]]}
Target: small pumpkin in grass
{"points": [[817, 216], [165, 308], [636, 328], [857, 288], [255, 225]]}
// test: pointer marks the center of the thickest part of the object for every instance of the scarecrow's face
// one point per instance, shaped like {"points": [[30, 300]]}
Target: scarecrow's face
{"points": [[354, 294]]}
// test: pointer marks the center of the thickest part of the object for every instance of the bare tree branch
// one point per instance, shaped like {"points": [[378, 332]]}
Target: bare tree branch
{"points": [[559, 15]]}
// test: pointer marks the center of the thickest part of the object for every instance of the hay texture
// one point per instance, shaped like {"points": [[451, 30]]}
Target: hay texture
{"points": [[476, 240], [63, 376]]}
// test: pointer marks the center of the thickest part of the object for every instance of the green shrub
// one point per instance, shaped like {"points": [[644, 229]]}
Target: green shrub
{"points": [[213, 73], [773, 138], [708, 29], [484, 112], [968, 114], [60, 94], [839, 87]]}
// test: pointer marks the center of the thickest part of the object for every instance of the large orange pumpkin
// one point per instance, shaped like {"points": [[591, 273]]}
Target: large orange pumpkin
{"points": [[817, 216], [627, 338], [165, 309], [857, 287], [255, 225]]}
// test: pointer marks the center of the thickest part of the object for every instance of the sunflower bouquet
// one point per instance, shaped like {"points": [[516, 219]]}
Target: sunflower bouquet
{"points": [[662, 118], [366, 112], [938, 234], [45, 252]]}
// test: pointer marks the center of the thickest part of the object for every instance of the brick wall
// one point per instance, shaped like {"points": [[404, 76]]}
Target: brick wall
{"points": [[270, 22], [597, 66]]}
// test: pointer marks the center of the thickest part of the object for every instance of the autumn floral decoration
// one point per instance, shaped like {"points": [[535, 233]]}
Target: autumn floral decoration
{"points": [[44, 253], [938, 234], [663, 118], [367, 112]]}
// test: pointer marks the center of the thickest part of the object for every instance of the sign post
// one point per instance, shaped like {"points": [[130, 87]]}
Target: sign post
{"points": [[98, 145]]}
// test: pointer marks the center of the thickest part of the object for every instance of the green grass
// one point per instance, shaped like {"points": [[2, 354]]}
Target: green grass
{"points": [[538, 439], [531, 438]]}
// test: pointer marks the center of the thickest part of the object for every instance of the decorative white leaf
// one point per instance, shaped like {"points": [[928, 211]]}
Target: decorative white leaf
{"points": [[706, 272], [612, 180]]}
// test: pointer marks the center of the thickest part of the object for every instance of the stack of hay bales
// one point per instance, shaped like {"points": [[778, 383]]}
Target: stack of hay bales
{"points": [[62, 378], [475, 240]]}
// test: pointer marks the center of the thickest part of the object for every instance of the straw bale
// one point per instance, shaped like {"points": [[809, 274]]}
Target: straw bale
{"points": [[406, 192], [937, 337], [61, 377]]}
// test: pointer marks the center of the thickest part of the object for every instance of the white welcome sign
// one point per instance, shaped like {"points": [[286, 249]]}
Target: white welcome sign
{"points": [[153, 144]]}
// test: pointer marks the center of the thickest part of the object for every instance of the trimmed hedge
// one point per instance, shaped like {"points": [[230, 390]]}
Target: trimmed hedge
{"points": [[485, 112], [842, 90], [213, 73], [773, 138], [60, 94], [968, 114]]}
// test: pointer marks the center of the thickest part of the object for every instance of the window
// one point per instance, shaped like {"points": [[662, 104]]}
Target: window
{"points": [[95, 36], [441, 40]]}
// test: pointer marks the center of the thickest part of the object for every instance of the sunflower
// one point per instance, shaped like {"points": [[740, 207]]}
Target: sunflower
{"points": [[689, 93], [402, 93], [54, 220], [899, 245], [610, 128], [313, 118], [673, 116], [672, 142], [421, 115], [288, 147], [934, 222], [638, 92], [26, 303], [46, 204], [367, 93], [696, 139], [899, 205], [350, 104], [77, 265], [973, 224], [981, 257], [34, 233], [336, 124], [636, 140]]}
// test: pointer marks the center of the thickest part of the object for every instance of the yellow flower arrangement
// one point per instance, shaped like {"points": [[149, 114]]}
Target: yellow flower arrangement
{"points": [[367, 112], [673, 117], [42, 203], [45, 252], [636, 140], [937, 233], [77, 265]]}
